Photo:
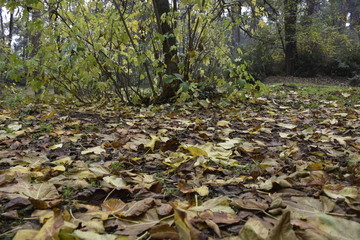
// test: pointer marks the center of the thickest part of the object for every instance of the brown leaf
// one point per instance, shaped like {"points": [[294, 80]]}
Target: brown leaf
{"points": [[37, 191], [283, 230], [137, 228], [137, 208], [329, 227], [185, 229], [164, 209], [41, 204], [51, 228], [112, 205], [254, 229], [250, 202], [164, 231], [220, 217], [16, 203], [202, 191]]}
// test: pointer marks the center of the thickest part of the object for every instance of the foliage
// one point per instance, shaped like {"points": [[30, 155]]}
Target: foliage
{"points": [[323, 46], [92, 48]]}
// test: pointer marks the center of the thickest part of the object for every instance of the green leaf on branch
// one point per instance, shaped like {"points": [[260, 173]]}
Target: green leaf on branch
{"points": [[172, 77]]}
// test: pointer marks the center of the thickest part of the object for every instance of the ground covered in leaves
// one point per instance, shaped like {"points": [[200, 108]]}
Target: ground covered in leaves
{"points": [[283, 166]]}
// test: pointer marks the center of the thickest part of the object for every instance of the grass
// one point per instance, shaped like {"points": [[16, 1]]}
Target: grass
{"points": [[319, 93], [46, 127], [67, 191], [171, 191], [116, 166]]}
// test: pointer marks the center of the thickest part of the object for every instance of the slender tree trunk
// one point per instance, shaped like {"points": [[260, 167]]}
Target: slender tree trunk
{"points": [[2, 25], [34, 38], [339, 11], [11, 28], [236, 33], [169, 89], [354, 9], [290, 11], [312, 7]]}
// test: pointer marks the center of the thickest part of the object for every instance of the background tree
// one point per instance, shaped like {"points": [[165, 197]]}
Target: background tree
{"points": [[162, 8], [290, 17]]}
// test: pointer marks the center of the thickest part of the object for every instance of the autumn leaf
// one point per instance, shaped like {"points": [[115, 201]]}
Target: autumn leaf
{"points": [[96, 150]]}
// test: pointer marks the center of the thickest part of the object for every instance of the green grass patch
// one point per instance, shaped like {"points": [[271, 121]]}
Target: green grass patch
{"points": [[46, 127], [317, 93]]}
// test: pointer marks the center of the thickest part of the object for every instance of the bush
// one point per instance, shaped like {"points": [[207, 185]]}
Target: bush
{"points": [[265, 60], [310, 63]]}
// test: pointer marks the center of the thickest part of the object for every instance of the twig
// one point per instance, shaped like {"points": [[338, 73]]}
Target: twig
{"points": [[341, 215], [109, 194]]}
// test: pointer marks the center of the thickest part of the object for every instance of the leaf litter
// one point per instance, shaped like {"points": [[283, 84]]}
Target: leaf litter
{"points": [[275, 168]]}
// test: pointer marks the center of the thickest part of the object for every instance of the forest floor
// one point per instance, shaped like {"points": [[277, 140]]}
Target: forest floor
{"points": [[285, 165], [320, 80]]}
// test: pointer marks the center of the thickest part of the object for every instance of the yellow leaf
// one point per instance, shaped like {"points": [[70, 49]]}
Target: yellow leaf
{"points": [[49, 115], [352, 116], [346, 95], [287, 126], [15, 126], [94, 236], [152, 142], [319, 154], [192, 53], [25, 234], [96, 150], [196, 152], [63, 161], [223, 123], [202, 191], [340, 191], [59, 168], [56, 146], [115, 181]]}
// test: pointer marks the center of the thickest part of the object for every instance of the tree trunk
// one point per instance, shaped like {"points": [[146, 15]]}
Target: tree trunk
{"points": [[312, 8], [290, 11], [2, 25], [11, 28], [169, 89], [354, 9], [236, 33], [339, 14], [34, 38]]}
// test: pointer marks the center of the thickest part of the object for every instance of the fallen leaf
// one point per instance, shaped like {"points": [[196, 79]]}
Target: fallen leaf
{"points": [[96, 150]]}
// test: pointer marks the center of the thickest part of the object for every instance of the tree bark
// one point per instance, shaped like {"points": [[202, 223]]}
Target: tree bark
{"points": [[290, 12], [11, 28], [236, 33], [354, 9], [35, 36], [169, 89], [2, 25], [339, 14], [312, 8]]}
